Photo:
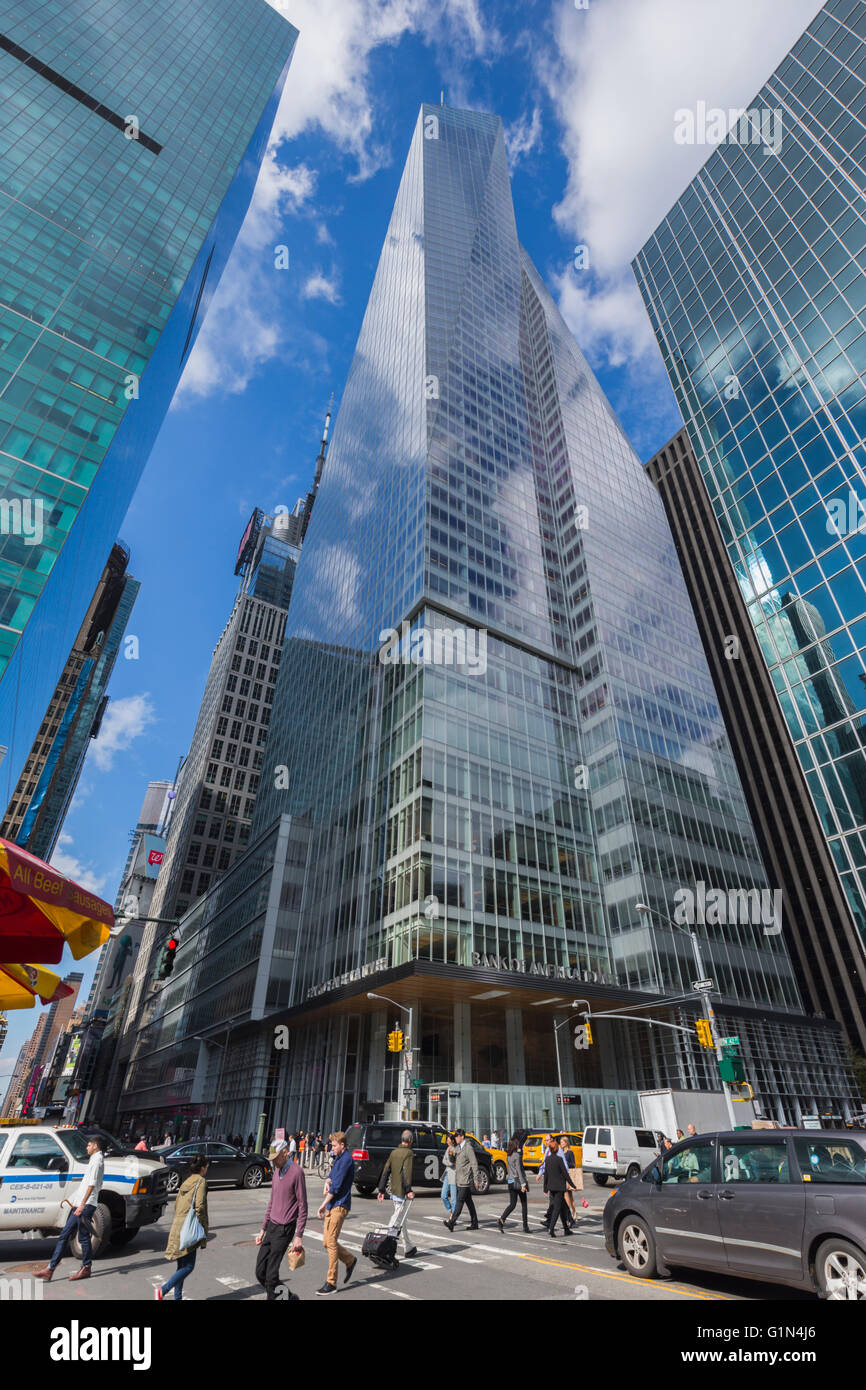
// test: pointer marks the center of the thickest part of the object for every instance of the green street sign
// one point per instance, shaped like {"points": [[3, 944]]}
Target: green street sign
{"points": [[418, 1083], [729, 1042]]}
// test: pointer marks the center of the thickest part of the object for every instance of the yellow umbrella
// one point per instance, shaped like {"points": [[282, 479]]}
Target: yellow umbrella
{"points": [[20, 985], [41, 909]]}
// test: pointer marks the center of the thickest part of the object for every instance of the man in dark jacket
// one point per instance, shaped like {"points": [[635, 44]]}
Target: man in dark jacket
{"points": [[556, 1181], [399, 1165], [466, 1173]]}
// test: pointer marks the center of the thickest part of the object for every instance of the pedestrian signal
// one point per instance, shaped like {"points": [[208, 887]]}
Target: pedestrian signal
{"points": [[704, 1032], [395, 1041]]}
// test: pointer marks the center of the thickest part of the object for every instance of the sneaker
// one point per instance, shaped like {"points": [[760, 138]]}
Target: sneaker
{"points": [[157, 1293], [408, 1256], [327, 1288], [350, 1270]]}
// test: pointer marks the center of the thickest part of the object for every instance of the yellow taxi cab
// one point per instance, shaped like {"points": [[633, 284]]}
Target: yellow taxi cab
{"points": [[533, 1145], [498, 1161]]}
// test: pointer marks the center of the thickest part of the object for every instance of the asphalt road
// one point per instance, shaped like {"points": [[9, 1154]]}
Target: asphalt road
{"points": [[466, 1265]]}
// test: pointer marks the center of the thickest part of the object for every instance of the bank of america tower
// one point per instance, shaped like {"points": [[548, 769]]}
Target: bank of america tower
{"points": [[494, 731]]}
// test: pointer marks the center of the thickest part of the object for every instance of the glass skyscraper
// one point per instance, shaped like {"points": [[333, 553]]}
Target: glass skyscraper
{"points": [[755, 286], [494, 732], [131, 140]]}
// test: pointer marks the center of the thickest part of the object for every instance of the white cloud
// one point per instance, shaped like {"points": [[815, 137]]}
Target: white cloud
{"points": [[616, 73], [124, 721], [318, 286], [66, 863], [323, 236], [523, 136], [328, 89]]}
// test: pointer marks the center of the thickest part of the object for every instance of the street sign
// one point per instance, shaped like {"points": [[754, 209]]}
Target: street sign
{"points": [[702, 986], [453, 1095], [418, 1083], [407, 1095], [729, 1042]]}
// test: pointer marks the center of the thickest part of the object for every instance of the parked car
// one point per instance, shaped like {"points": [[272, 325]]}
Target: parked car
{"points": [[370, 1144], [41, 1168], [226, 1164], [533, 1146], [617, 1151], [788, 1206]]}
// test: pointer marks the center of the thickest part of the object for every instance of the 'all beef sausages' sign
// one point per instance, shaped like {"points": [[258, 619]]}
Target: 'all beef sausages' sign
{"points": [[547, 972], [28, 875]]}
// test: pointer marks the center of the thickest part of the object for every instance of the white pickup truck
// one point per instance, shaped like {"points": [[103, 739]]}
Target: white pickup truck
{"points": [[41, 1168]]}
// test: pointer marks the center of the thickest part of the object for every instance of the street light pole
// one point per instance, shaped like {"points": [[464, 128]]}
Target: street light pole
{"points": [[406, 1010], [705, 1003], [556, 1028]]}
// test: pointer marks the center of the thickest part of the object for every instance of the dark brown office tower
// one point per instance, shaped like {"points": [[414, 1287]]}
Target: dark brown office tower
{"points": [[824, 942]]}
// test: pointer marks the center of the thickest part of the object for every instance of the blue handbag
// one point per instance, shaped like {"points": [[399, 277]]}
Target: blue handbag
{"points": [[192, 1232]]}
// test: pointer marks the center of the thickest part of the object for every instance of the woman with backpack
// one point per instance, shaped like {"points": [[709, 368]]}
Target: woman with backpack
{"points": [[189, 1228]]}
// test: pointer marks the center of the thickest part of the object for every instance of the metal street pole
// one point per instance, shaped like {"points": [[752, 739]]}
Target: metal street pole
{"points": [[559, 1077], [708, 1015]]}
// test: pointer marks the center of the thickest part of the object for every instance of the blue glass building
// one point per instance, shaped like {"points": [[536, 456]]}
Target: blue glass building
{"points": [[494, 734], [755, 286], [131, 139]]}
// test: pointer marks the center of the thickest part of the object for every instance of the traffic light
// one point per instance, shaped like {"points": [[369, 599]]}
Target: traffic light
{"points": [[165, 959], [704, 1032], [395, 1041], [588, 1034]]}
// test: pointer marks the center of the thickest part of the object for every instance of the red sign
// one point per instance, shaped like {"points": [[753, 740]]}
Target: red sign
{"points": [[156, 856]]}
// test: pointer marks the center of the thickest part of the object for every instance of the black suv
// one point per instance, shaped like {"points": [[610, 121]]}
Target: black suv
{"points": [[372, 1142]]}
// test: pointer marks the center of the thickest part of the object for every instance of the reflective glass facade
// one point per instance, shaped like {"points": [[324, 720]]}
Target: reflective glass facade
{"points": [[110, 248], [756, 290], [479, 482]]}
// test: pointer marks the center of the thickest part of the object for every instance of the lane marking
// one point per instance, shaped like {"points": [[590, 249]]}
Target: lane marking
{"points": [[395, 1293], [638, 1283]]}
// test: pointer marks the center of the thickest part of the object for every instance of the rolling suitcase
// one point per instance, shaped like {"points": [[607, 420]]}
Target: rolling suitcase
{"points": [[380, 1246]]}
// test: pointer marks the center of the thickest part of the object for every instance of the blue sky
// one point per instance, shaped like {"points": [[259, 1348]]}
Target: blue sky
{"points": [[587, 97]]}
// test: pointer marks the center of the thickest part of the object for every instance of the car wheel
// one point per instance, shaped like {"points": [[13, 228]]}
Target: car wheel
{"points": [[253, 1176], [100, 1234], [600, 1178], [500, 1172], [364, 1189], [840, 1271], [483, 1183], [633, 1171], [637, 1249], [173, 1182]]}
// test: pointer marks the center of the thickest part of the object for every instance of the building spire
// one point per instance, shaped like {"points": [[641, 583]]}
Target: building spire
{"points": [[320, 463]]}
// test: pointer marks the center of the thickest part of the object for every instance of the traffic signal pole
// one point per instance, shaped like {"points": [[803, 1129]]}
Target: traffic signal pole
{"points": [[708, 1015]]}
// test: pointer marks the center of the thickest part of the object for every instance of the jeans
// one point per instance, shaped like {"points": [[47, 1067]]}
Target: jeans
{"points": [[276, 1242], [515, 1194], [83, 1225], [449, 1194], [403, 1237], [185, 1266], [333, 1225]]}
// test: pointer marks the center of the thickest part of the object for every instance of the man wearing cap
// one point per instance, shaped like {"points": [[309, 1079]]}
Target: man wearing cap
{"points": [[284, 1221]]}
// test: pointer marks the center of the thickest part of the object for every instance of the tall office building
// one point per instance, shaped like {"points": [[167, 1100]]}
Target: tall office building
{"points": [[39, 803], [494, 735], [28, 1069], [826, 948], [132, 139], [755, 286]]}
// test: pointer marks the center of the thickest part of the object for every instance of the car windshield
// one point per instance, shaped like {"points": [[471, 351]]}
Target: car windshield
{"points": [[75, 1142]]}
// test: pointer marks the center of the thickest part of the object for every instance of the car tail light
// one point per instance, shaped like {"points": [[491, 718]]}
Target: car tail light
{"points": [[614, 1156], [361, 1155]]}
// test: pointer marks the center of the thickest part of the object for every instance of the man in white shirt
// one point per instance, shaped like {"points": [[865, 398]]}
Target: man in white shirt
{"points": [[80, 1218]]}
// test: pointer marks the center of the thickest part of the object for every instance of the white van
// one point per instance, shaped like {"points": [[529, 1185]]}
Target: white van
{"points": [[42, 1167], [617, 1151]]}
